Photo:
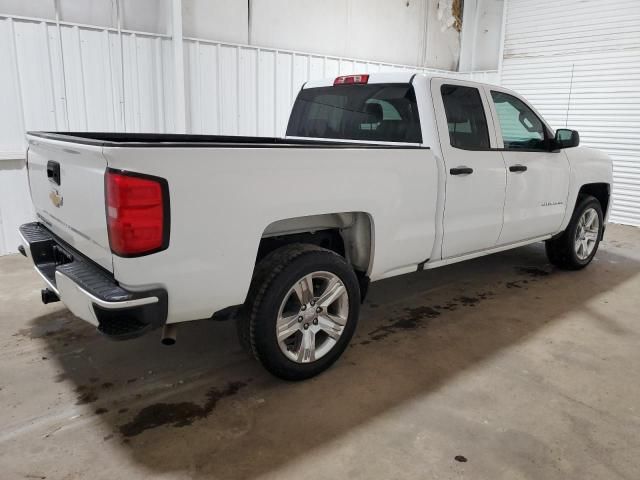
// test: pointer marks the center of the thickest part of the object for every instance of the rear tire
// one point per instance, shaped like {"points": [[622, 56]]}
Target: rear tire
{"points": [[301, 311], [577, 245]]}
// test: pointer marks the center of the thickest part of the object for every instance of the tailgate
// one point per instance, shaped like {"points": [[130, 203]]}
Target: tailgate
{"points": [[67, 190]]}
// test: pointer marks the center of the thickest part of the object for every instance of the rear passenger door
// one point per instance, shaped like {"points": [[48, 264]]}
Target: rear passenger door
{"points": [[475, 170]]}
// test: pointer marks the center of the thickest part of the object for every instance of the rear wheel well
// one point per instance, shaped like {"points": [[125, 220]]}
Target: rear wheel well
{"points": [[329, 239], [601, 191], [350, 235]]}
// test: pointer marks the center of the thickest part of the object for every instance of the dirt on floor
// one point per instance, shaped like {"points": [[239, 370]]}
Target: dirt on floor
{"points": [[498, 368]]}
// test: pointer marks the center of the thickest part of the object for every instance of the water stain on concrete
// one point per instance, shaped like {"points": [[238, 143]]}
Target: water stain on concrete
{"points": [[89, 393], [469, 301], [58, 331], [179, 414], [418, 317], [413, 319], [85, 394], [534, 272]]}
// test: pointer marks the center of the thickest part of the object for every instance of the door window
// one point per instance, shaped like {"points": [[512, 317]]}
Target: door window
{"points": [[466, 119], [521, 128]]}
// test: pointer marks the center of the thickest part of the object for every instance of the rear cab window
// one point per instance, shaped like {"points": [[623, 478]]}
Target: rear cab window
{"points": [[372, 112], [466, 119]]}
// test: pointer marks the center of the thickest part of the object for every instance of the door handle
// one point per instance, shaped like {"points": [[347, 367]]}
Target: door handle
{"points": [[53, 171], [461, 171], [517, 168]]}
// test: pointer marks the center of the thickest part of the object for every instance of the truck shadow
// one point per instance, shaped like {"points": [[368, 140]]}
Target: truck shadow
{"points": [[204, 407]]}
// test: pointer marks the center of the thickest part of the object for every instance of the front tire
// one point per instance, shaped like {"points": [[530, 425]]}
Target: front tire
{"points": [[301, 311], [577, 245]]}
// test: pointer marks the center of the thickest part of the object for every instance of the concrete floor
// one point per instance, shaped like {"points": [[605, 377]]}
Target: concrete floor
{"points": [[521, 370]]}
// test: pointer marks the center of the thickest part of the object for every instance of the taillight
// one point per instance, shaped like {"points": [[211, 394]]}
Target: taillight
{"points": [[137, 213], [351, 79]]}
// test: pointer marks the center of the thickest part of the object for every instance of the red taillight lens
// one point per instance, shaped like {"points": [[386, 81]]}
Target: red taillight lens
{"points": [[136, 217], [351, 79]]}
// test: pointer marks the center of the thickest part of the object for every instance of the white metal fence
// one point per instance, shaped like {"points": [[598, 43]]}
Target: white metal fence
{"points": [[76, 77]]}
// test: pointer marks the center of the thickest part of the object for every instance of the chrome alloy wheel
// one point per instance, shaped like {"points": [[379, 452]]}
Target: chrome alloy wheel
{"points": [[587, 233], [312, 317]]}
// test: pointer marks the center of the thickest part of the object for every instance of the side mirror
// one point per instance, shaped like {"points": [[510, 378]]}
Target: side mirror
{"points": [[566, 138]]}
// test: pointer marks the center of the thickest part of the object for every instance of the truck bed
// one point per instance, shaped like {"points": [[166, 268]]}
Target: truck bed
{"points": [[222, 200], [110, 139]]}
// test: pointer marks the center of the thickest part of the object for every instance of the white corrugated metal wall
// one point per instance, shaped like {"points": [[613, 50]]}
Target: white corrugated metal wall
{"points": [[66, 76], [578, 62], [247, 90]]}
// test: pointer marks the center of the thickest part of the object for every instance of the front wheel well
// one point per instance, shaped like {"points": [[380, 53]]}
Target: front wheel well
{"points": [[601, 191]]}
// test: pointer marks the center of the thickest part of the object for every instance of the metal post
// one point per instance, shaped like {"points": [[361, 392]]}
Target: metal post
{"points": [[503, 30], [56, 6], [178, 67], [123, 114]]}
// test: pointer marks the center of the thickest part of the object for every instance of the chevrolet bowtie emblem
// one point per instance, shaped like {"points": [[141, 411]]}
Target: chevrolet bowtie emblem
{"points": [[56, 198]]}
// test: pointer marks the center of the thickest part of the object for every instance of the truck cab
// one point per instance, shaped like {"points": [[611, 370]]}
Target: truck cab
{"points": [[509, 177]]}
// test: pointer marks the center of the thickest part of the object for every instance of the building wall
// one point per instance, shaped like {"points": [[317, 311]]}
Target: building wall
{"points": [[578, 63], [413, 32], [222, 20], [396, 31]]}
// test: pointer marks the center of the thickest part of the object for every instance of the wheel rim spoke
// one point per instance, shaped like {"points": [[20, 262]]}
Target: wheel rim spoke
{"points": [[304, 289], [287, 326], [332, 325], [591, 236], [333, 292], [307, 350]]}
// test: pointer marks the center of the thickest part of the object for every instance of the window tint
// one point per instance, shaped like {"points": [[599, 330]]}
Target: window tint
{"points": [[521, 128], [465, 117], [373, 112]]}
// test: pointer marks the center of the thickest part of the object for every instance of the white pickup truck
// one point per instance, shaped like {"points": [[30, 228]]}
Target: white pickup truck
{"points": [[378, 175]]}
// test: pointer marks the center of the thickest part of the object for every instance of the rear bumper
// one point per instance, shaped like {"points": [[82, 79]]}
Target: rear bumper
{"points": [[89, 291]]}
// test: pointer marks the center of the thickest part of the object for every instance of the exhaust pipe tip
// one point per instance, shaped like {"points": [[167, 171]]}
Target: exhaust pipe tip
{"points": [[48, 296], [169, 333]]}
